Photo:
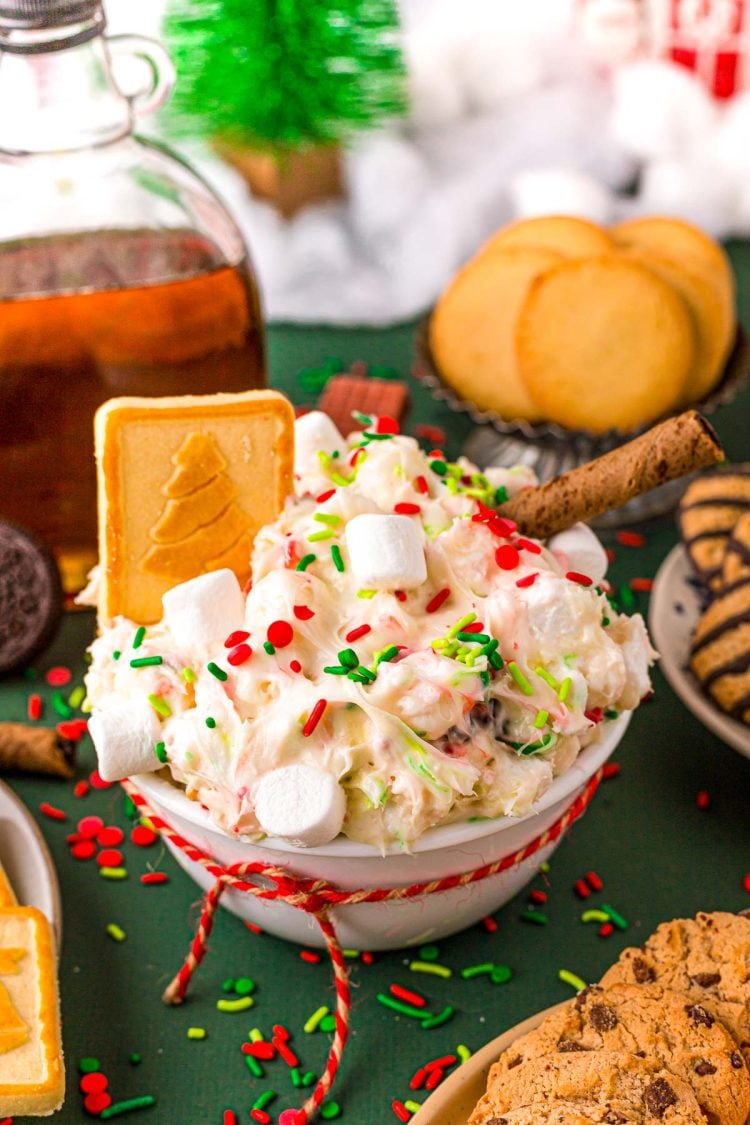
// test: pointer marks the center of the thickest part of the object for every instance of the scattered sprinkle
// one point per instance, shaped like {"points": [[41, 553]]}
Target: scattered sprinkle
{"points": [[60, 706], [114, 873], [615, 918], [305, 561], [154, 878], [146, 662], [140, 633], [439, 1019], [280, 634], [442, 596], [570, 978], [581, 579], [314, 717], [430, 967], [236, 638], [216, 671], [240, 654], [34, 707], [125, 1107], [313, 1022], [520, 679], [594, 916], [642, 585], [536, 917], [161, 706], [408, 996], [703, 799], [116, 932], [161, 752], [309, 956], [52, 812], [338, 561], [360, 631], [240, 1005], [630, 538]]}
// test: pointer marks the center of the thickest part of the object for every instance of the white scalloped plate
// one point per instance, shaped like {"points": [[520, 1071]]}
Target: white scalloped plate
{"points": [[26, 859], [675, 609]]}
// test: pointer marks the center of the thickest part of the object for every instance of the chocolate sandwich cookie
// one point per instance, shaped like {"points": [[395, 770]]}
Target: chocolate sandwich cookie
{"points": [[736, 566], [708, 512], [720, 657], [707, 958], [31, 597], [603, 1082], [664, 1028]]}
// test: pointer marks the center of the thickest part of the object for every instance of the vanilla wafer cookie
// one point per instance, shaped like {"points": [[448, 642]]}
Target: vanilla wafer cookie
{"points": [[710, 508], [720, 657]]}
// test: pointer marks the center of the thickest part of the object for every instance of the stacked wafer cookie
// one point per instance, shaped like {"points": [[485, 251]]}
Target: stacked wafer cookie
{"points": [[714, 520], [664, 1038]]}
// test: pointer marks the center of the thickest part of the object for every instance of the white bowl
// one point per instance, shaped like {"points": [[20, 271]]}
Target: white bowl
{"points": [[449, 850]]}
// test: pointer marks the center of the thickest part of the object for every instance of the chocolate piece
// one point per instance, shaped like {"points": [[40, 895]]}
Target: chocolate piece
{"points": [[699, 1014], [658, 1097], [736, 1060], [31, 597], [704, 1068], [569, 1045], [642, 972], [706, 980], [346, 393], [602, 1018]]}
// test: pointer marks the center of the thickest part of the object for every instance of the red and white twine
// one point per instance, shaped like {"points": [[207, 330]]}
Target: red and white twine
{"points": [[318, 897]]}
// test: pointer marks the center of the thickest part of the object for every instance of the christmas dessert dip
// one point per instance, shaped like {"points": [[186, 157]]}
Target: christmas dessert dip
{"points": [[403, 657]]}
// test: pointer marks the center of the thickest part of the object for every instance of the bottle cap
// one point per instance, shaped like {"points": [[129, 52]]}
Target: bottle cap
{"points": [[40, 14]]}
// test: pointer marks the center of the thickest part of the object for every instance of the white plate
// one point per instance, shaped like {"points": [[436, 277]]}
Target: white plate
{"points": [[675, 609], [27, 862]]}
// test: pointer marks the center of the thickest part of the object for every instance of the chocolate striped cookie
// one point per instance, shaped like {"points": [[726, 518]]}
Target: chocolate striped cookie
{"points": [[708, 513], [736, 566], [720, 657]]}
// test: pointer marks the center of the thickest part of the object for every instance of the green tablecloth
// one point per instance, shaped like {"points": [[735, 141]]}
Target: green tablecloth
{"points": [[658, 854]]}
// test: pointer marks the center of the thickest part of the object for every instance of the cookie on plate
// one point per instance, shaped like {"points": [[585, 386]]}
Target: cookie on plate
{"points": [[736, 566], [706, 957], [720, 656], [615, 1081], [557, 1112], [709, 510], [664, 1028], [565, 234]]}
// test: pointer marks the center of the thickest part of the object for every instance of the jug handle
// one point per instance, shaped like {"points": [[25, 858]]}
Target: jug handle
{"points": [[145, 101]]}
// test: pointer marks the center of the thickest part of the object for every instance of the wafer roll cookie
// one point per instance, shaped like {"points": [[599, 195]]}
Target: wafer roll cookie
{"points": [[678, 446]]}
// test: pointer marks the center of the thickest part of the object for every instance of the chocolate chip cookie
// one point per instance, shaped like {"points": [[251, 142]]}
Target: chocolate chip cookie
{"points": [[720, 657]]}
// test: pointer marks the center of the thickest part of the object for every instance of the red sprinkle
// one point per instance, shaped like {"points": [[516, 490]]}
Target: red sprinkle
{"points": [[610, 770], [473, 627], [303, 612], [83, 849], [440, 1064], [529, 545], [239, 655], [360, 631], [95, 1103], [368, 958], [490, 925], [642, 585], [98, 781], [154, 877], [581, 579], [407, 996], [90, 826], [606, 929], [594, 881], [72, 729], [309, 956], [229, 1117], [295, 666], [417, 1081], [434, 1078], [529, 580], [34, 707], [630, 538], [58, 676], [280, 1032], [360, 452], [594, 714], [402, 1113], [400, 596], [406, 509], [262, 1050], [280, 634], [746, 883], [703, 799], [292, 1117], [434, 605], [582, 889], [539, 897], [507, 557], [260, 1116], [499, 525], [80, 789], [325, 496], [436, 453], [109, 857], [236, 638], [421, 485], [93, 1083], [285, 1052], [110, 837], [52, 812], [253, 928], [143, 836], [314, 717], [386, 425], [433, 434]]}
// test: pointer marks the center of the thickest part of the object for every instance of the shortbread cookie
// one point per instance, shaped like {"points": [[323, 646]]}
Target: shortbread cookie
{"points": [[736, 566], [32, 1075], [710, 508], [184, 484], [603, 343], [706, 957], [665, 1028], [611, 1080], [565, 234], [473, 330], [720, 656]]}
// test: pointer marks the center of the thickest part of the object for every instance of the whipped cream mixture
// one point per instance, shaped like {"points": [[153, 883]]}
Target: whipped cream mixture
{"points": [[463, 697]]}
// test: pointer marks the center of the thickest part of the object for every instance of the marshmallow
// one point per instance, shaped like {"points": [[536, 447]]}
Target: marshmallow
{"points": [[302, 804], [386, 552], [205, 609], [581, 551], [313, 432], [125, 738]]}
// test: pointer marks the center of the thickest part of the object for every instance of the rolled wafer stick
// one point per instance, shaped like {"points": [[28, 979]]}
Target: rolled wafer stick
{"points": [[678, 446], [35, 750]]}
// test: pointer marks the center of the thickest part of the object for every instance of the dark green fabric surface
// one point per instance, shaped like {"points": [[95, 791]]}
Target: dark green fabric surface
{"points": [[658, 854]]}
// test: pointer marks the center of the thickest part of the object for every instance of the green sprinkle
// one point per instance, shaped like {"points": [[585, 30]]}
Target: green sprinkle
{"points": [[496, 661], [77, 696], [308, 1078], [269, 648], [543, 674], [413, 1107], [338, 562], [402, 1009], [228, 985], [627, 598], [460, 625], [474, 638], [160, 705], [328, 1023], [210, 722], [328, 518], [329, 1110], [477, 970], [594, 916], [117, 1108], [439, 467], [431, 967], [305, 561], [89, 1065], [610, 715], [544, 867], [342, 482], [188, 675], [215, 670], [570, 978], [116, 654], [128, 806], [366, 594], [113, 873], [463, 1052], [348, 658], [146, 662], [296, 1077], [439, 1019], [363, 419], [161, 752], [264, 1099], [501, 495], [60, 706], [254, 1067], [492, 645], [363, 675], [565, 687], [541, 720], [429, 953], [352, 954], [535, 916], [605, 622], [336, 670], [387, 654], [240, 1005], [369, 436], [319, 536], [116, 932], [140, 633], [133, 1059], [616, 919], [500, 974], [313, 1022], [243, 986], [520, 679], [196, 1033]]}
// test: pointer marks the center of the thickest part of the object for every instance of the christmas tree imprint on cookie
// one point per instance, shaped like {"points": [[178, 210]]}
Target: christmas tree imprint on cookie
{"points": [[201, 527]]}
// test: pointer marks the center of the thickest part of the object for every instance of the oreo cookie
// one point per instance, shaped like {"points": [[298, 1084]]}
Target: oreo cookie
{"points": [[31, 597]]}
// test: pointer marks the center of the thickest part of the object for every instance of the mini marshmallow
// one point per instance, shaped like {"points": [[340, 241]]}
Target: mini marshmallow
{"points": [[579, 549], [386, 552], [313, 432], [125, 738], [302, 804], [204, 609]]}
